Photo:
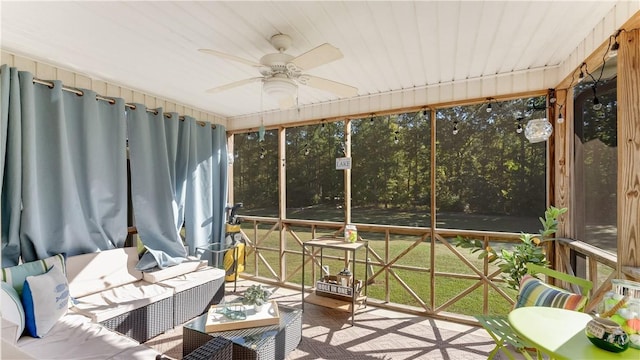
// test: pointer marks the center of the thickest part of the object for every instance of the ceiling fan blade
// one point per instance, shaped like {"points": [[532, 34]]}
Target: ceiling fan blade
{"points": [[343, 90], [230, 57], [320, 55], [286, 103], [233, 84]]}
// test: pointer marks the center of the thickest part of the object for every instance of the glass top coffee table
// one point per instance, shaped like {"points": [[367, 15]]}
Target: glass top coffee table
{"points": [[264, 342]]}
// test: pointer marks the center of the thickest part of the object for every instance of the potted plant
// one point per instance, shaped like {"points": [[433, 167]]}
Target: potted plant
{"points": [[513, 263], [257, 296]]}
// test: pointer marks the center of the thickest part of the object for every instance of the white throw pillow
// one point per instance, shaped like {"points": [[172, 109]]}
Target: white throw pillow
{"points": [[12, 309], [45, 298]]}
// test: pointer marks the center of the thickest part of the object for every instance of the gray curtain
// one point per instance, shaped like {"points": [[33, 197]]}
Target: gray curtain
{"points": [[153, 153], [11, 156], [177, 134], [198, 219], [64, 178], [73, 171], [220, 182], [178, 176]]}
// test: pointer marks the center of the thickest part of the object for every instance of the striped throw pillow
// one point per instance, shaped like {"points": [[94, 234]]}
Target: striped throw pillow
{"points": [[16, 275], [534, 292]]}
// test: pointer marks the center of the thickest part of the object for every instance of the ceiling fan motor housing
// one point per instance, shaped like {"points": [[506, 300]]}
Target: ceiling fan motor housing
{"points": [[279, 86], [277, 62]]}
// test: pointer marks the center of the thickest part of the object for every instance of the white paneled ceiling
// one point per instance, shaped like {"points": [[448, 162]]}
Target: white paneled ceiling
{"points": [[387, 45]]}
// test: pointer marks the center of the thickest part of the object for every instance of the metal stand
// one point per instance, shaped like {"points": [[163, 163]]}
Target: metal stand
{"points": [[218, 250], [339, 244]]}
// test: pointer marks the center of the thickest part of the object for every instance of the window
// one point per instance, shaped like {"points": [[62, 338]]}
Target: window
{"points": [[488, 175], [390, 179], [255, 173], [595, 146], [315, 189]]}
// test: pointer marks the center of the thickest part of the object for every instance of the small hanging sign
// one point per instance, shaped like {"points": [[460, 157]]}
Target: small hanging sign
{"points": [[343, 163]]}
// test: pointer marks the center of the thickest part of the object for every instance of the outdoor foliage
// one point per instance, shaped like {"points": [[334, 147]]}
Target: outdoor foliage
{"points": [[513, 262], [486, 168], [256, 295]]}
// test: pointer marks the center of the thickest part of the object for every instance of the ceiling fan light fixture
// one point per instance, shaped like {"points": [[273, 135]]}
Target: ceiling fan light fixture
{"points": [[280, 87]]}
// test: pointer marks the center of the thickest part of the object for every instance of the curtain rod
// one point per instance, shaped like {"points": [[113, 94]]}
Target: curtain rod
{"points": [[109, 100]]}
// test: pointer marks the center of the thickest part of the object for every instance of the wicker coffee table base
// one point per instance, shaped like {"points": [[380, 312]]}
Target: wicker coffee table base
{"points": [[260, 343], [217, 348]]}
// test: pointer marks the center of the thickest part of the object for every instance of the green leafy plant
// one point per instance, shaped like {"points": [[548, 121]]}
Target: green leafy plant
{"points": [[513, 262], [256, 295]]}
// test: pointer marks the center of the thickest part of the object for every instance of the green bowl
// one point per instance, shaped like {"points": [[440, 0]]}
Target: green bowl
{"points": [[607, 334]]}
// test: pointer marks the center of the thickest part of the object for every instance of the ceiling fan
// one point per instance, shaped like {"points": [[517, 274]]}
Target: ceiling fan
{"points": [[281, 72]]}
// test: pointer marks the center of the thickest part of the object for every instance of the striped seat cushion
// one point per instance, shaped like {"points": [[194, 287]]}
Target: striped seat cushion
{"points": [[16, 275], [534, 292]]}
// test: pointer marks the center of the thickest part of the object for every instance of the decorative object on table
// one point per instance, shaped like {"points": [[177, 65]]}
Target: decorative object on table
{"points": [[513, 263], [232, 311], [622, 306], [216, 321], [257, 296], [332, 286], [350, 233], [607, 334], [344, 277]]}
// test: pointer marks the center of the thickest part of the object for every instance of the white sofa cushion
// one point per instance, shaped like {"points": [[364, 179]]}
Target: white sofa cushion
{"points": [[46, 299], [76, 337], [185, 267], [10, 331], [12, 312], [116, 301], [11, 351], [95, 272], [193, 279]]}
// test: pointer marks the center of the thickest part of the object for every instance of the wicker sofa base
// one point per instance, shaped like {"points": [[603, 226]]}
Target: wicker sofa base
{"points": [[144, 323], [196, 301]]}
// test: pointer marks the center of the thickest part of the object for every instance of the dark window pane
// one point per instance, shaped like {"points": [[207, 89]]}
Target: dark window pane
{"points": [[315, 189], [390, 177], [255, 173], [488, 175], [596, 160]]}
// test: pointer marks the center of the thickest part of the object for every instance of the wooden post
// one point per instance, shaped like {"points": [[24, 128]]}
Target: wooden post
{"points": [[563, 163], [347, 185], [230, 150], [561, 167], [347, 172], [629, 149], [432, 224], [282, 208]]}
